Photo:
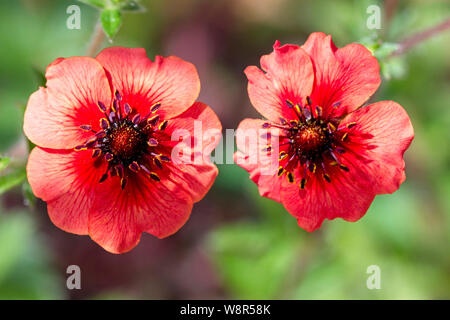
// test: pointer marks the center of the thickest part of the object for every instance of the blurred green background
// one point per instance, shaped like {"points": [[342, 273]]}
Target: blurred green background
{"points": [[236, 244]]}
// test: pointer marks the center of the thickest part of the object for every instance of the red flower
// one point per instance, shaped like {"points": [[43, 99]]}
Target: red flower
{"points": [[333, 155], [103, 129]]}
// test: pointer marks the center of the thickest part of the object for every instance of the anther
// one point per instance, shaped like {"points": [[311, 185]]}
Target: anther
{"points": [[290, 177], [345, 137], [154, 176], [152, 142], [101, 106], [104, 123], [80, 148], [163, 125], [280, 171], [127, 109], [134, 166], [153, 121], [86, 127]]}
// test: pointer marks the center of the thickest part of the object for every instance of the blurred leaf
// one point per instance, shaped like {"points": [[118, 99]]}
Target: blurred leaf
{"points": [[111, 21], [25, 269], [253, 259], [11, 228], [4, 162], [12, 179], [95, 3], [131, 6]]}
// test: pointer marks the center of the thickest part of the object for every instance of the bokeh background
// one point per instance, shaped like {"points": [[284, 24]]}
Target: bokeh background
{"points": [[237, 244]]}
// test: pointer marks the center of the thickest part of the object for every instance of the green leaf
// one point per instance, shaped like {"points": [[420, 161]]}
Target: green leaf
{"points": [[95, 3], [12, 179], [111, 21], [4, 162]]}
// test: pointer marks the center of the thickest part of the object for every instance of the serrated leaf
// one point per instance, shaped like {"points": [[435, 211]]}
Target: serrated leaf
{"points": [[111, 21], [95, 3], [4, 162], [12, 179]]}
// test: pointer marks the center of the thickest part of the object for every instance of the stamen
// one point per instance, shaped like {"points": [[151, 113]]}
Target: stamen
{"points": [[136, 118], [127, 109], [80, 148], [104, 123], [134, 166], [154, 176], [101, 106], [351, 125], [163, 125], [123, 183], [152, 142], [280, 171], [290, 177], [96, 153], [86, 127], [103, 177], [153, 121], [155, 107], [345, 137]]}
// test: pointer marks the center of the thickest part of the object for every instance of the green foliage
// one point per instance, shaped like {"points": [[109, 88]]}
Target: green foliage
{"points": [[24, 265], [12, 179], [4, 162]]}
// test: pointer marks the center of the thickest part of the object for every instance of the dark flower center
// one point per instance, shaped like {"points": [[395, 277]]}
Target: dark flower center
{"points": [[128, 142], [311, 138], [311, 142]]}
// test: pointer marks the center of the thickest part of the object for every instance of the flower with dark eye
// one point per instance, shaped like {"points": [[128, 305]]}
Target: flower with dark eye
{"points": [[333, 155], [103, 129]]}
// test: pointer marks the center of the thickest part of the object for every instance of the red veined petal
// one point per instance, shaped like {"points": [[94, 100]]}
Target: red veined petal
{"points": [[262, 167], [381, 136], [348, 196], [118, 217], [348, 75], [142, 83], [54, 114], [203, 127], [288, 76], [66, 180]]}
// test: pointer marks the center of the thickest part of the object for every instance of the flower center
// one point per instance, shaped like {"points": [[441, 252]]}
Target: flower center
{"points": [[128, 142], [311, 138], [311, 142]]}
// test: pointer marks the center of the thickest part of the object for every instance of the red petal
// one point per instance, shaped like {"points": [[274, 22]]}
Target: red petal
{"points": [[203, 125], [348, 196], [66, 181], [118, 217], [383, 133], [251, 157], [349, 75], [54, 114], [170, 81], [289, 75]]}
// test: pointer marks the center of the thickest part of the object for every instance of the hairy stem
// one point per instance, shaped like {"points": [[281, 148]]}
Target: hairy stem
{"points": [[96, 40], [412, 41]]}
